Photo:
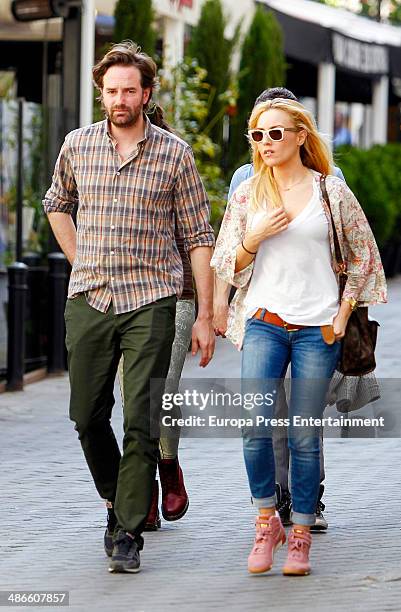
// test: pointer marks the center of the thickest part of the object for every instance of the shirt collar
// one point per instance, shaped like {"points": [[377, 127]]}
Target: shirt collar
{"points": [[148, 130]]}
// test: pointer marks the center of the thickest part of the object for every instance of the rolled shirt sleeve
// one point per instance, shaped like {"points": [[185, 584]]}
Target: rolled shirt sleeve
{"points": [[62, 196], [192, 206]]}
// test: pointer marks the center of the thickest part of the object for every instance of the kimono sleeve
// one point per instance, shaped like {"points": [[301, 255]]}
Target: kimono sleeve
{"points": [[232, 232]]}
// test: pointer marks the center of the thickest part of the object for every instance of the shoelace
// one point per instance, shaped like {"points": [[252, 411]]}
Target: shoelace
{"points": [[320, 507], [261, 537], [124, 542], [297, 543]]}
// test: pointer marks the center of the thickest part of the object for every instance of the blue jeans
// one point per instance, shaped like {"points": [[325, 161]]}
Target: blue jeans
{"points": [[267, 351]]}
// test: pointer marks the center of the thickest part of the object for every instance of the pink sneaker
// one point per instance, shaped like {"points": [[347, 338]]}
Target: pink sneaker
{"points": [[297, 564], [270, 535]]}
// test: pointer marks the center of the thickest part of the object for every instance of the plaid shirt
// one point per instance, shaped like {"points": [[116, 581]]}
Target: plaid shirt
{"points": [[127, 211]]}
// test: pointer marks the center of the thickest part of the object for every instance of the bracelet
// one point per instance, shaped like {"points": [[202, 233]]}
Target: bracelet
{"points": [[352, 302], [245, 249]]}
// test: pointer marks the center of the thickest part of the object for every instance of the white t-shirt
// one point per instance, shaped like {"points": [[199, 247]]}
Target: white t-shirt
{"points": [[292, 273]]}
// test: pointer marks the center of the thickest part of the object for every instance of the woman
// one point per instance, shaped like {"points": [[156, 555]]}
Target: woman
{"points": [[276, 245]]}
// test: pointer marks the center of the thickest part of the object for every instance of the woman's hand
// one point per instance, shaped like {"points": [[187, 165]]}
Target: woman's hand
{"points": [[339, 326], [220, 317], [272, 222], [341, 319]]}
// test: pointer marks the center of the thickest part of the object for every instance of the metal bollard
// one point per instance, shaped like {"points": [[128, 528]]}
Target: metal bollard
{"points": [[17, 292], [32, 260], [58, 279]]}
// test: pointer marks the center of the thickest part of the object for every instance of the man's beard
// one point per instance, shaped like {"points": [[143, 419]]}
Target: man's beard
{"points": [[129, 118]]}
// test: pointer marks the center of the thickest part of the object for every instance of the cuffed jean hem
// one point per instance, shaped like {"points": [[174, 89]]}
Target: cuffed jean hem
{"points": [[298, 518], [265, 502]]}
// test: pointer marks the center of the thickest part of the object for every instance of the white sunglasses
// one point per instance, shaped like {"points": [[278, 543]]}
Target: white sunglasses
{"points": [[274, 134]]}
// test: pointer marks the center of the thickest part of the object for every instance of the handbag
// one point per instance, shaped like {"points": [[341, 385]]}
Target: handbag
{"points": [[359, 343]]}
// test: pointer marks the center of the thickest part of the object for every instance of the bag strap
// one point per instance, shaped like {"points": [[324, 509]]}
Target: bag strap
{"points": [[337, 249]]}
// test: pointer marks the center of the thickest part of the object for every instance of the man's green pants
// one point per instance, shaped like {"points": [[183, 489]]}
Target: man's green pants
{"points": [[95, 342]]}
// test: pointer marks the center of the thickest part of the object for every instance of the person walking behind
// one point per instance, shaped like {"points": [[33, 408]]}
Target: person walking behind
{"points": [[175, 499], [130, 181], [276, 244], [221, 307]]}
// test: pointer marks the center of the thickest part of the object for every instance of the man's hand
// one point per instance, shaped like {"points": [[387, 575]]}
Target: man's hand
{"points": [[220, 316], [202, 331], [203, 339]]}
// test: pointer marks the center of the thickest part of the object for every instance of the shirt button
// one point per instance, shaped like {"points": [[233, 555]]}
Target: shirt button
{"points": [[118, 173], [115, 199], [113, 227], [112, 278], [111, 252]]}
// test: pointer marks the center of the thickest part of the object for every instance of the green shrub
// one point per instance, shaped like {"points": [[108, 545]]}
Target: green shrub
{"points": [[374, 175], [185, 101]]}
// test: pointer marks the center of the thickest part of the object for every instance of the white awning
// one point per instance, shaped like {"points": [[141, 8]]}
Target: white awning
{"points": [[340, 20]]}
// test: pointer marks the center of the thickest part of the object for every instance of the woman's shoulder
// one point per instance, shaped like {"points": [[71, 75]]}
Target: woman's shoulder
{"points": [[343, 202], [242, 194], [335, 185], [332, 179]]}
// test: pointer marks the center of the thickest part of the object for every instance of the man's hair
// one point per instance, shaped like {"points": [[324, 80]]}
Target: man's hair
{"points": [[127, 53], [275, 92]]}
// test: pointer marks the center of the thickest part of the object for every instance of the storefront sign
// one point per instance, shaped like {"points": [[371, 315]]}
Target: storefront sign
{"points": [[359, 56]]}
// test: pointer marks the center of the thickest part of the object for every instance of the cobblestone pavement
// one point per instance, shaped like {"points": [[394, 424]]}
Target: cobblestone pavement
{"points": [[52, 521]]}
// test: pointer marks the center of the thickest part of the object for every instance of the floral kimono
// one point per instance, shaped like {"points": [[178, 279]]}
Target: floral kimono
{"points": [[366, 282]]}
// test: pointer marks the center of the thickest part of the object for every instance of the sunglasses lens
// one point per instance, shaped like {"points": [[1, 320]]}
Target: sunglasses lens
{"points": [[275, 134], [257, 135]]}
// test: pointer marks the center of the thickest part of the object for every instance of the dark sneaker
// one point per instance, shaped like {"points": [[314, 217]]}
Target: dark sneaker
{"points": [[175, 500], [153, 521], [109, 533], [320, 522], [283, 505], [125, 558]]}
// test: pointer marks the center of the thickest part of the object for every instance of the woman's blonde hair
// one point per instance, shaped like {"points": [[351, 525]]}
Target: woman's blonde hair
{"points": [[315, 153]]}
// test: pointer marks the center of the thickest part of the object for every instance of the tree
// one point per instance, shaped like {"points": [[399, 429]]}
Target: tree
{"points": [[184, 97], [213, 53], [134, 21], [395, 12], [262, 65]]}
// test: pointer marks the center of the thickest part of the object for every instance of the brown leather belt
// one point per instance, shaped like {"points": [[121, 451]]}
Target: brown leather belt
{"points": [[271, 317]]}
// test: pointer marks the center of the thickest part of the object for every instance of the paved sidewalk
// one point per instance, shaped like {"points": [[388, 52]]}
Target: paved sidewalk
{"points": [[52, 521]]}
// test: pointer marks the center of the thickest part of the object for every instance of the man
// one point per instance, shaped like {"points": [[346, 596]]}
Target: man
{"points": [[132, 183], [221, 297]]}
